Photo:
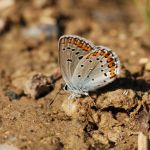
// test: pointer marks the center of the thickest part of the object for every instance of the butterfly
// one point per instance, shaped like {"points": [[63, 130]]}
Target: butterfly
{"points": [[84, 66]]}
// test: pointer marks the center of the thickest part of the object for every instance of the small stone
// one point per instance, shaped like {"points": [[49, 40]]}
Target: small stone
{"points": [[147, 66], [114, 134], [146, 97], [117, 99], [41, 31], [142, 120], [132, 53], [37, 86], [70, 107], [98, 137], [12, 95], [95, 117], [6, 4], [107, 121], [143, 60], [7, 147], [39, 3], [2, 25]]}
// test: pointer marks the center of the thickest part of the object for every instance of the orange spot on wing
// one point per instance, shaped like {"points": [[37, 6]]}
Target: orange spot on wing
{"points": [[89, 48], [95, 53], [111, 64], [72, 41], [62, 41], [78, 42], [102, 53], [112, 75], [89, 56], [75, 41], [106, 55], [112, 72], [84, 47], [109, 59], [65, 40], [69, 40], [81, 44]]}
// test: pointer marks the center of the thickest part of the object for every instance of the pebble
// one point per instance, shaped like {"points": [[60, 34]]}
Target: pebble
{"points": [[7, 147], [70, 107], [12, 95], [4, 4], [147, 66], [143, 60], [37, 86], [99, 138], [48, 30], [2, 25], [118, 99]]}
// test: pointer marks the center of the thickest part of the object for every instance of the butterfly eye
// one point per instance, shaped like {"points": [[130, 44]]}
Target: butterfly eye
{"points": [[65, 87]]}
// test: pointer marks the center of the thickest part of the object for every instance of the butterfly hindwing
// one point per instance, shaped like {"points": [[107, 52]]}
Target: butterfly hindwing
{"points": [[96, 69]]}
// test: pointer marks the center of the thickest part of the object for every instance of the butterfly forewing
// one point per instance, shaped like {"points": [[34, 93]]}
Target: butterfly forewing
{"points": [[71, 51]]}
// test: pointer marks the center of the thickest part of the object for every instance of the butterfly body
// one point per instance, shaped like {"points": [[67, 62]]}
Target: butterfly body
{"points": [[84, 66]]}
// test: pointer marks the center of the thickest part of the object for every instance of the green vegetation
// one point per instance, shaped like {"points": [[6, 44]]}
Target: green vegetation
{"points": [[144, 7]]}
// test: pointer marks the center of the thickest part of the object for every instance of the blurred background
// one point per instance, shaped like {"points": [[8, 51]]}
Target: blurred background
{"points": [[29, 30]]}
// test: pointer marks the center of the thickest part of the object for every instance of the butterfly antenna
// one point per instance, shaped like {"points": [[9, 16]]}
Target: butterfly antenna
{"points": [[93, 99], [55, 96]]}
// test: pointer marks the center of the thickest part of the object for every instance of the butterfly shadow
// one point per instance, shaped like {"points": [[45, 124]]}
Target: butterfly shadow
{"points": [[125, 83]]}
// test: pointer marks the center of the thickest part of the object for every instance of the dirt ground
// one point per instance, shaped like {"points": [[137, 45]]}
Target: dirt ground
{"points": [[29, 32]]}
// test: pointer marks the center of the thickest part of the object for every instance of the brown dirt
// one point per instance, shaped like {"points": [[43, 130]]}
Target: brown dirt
{"points": [[121, 109]]}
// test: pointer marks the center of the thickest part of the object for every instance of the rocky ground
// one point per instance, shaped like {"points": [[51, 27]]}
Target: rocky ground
{"points": [[30, 77]]}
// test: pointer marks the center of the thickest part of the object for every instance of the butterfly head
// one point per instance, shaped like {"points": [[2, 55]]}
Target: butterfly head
{"points": [[75, 93]]}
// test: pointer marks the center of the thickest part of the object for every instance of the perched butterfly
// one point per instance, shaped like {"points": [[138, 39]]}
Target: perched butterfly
{"points": [[84, 66]]}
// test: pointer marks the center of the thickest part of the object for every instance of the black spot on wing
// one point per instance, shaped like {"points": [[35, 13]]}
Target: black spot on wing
{"points": [[80, 57], [69, 60], [68, 48], [105, 74]]}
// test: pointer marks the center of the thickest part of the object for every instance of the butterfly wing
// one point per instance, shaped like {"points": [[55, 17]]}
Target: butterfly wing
{"points": [[96, 69], [71, 50]]}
